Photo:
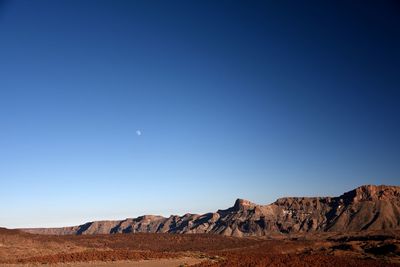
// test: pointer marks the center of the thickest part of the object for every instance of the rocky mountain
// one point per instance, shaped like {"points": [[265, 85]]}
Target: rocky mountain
{"points": [[368, 207]]}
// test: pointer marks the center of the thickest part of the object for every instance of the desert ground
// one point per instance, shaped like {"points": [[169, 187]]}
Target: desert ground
{"points": [[325, 249]]}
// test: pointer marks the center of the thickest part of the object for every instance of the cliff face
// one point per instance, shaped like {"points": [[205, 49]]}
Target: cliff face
{"points": [[367, 207]]}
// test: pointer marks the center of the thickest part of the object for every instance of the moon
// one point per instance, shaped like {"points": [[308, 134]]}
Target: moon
{"points": [[138, 132]]}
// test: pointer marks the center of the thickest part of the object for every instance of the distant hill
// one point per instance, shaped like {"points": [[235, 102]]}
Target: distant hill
{"points": [[367, 207]]}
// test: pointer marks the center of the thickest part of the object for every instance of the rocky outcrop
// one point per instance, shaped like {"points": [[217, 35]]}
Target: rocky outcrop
{"points": [[367, 207]]}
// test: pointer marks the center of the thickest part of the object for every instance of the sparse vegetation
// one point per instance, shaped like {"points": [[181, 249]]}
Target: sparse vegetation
{"points": [[329, 249]]}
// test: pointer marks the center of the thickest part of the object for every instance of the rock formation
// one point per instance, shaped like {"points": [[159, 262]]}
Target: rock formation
{"points": [[368, 207]]}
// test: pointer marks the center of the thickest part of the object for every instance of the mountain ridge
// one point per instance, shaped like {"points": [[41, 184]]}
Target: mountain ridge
{"points": [[368, 207]]}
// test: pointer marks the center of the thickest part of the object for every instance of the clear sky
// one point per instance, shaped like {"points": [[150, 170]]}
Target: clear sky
{"points": [[250, 99]]}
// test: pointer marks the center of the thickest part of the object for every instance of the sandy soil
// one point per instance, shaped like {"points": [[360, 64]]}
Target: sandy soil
{"points": [[184, 261], [367, 249]]}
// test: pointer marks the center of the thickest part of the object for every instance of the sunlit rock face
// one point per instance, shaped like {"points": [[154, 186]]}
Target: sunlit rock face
{"points": [[367, 207]]}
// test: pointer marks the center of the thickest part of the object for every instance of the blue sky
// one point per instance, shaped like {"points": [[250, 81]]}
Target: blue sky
{"points": [[250, 99]]}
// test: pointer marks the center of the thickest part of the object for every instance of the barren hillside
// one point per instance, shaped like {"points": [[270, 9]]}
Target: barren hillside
{"points": [[368, 207]]}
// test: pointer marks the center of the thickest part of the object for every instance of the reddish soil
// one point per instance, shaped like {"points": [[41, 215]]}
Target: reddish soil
{"points": [[372, 249]]}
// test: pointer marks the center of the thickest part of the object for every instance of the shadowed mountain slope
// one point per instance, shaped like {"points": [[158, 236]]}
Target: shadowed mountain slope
{"points": [[368, 207]]}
